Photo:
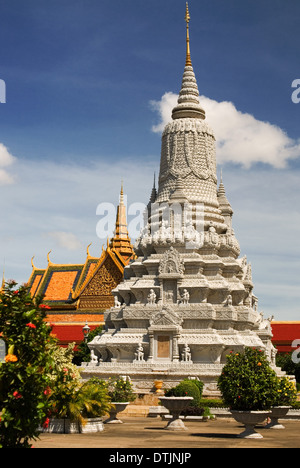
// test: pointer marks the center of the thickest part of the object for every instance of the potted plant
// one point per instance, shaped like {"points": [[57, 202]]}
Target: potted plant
{"points": [[186, 395], [73, 403], [248, 386], [121, 394], [81, 411], [286, 395]]}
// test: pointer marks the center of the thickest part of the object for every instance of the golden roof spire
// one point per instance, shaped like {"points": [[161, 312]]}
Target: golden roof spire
{"points": [[187, 18], [121, 241]]}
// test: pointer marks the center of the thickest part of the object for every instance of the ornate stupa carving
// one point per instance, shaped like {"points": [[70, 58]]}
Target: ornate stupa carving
{"points": [[187, 300]]}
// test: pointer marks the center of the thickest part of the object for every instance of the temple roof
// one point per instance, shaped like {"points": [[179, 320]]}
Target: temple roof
{"points": [[63, 284]]}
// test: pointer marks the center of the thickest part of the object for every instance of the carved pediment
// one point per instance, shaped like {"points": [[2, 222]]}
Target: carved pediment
{"points": [[165, 317], [171, 263]]}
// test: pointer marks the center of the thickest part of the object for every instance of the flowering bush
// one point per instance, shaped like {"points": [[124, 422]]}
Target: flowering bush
{"points": [[286, 393], [247, 381], [120, 390], [24, 376]]}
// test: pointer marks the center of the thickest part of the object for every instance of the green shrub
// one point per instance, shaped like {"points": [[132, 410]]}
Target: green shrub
{"points": [[188, 388], [247, 381], [212, 403]]}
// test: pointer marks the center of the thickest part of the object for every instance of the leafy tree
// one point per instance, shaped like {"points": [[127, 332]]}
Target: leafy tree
{"points": [[24, 376], [247, 381]]}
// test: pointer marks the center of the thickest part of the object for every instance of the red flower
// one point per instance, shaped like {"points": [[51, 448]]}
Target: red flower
{"points": [[46, 423], [47, 391], [44, 306], [30, 325], [17, 395]]}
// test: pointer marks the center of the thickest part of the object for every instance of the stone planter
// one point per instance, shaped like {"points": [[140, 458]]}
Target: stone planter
{"points": [[92, 425], [116, 408], [66, 426], [250, 419], [278, 412], [176, 405]]}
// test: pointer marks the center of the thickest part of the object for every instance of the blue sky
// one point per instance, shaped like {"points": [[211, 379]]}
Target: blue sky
{"points": [[88, 87]]}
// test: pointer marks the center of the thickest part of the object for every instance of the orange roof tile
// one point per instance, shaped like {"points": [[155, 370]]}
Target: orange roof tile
{"points": [[60, 285]]}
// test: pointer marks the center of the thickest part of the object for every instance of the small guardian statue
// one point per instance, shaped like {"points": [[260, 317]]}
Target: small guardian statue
{"points": [[185, 298], [186, 355], [117, 303], [151, 297], [94, 358], [139, 354]]}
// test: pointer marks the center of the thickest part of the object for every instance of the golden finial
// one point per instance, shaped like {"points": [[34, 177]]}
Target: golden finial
{"points": [[32, 264], [88, 250], [48, 257], [187, 14], [188, 62]]}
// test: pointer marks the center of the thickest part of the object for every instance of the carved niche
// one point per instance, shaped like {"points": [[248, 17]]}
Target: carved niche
{"points": [[171, 264]]}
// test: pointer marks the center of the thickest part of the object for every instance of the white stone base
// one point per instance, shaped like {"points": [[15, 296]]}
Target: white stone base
{"points": [[66, 426]]}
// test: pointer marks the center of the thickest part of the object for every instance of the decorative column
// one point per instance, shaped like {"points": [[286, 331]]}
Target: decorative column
{"points": [[175, 347]]}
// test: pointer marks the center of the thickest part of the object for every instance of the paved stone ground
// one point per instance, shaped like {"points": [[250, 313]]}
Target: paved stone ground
{"points": [[138, 433]]}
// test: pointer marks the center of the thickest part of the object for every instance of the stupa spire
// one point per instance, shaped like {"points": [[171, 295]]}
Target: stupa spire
{"points": [[188, 101], [188, 62]]}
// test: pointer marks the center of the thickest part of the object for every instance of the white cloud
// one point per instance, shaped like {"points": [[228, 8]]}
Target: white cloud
{"points": [[241, 138], [6, 160], [67, 240], [164, 108]]}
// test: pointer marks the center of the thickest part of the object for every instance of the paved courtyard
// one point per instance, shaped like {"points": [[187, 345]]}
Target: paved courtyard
{"points": [[137, 433]]}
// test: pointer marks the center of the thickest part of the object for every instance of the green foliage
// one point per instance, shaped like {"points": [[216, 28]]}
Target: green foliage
{"points": [[121, 390], [65, 384], [212, 403], [96, 401], [71, 399], [247, 381], [191, 388], [24, 376], [83, 353], [286, 393], [38, 379], [285, 362]]}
